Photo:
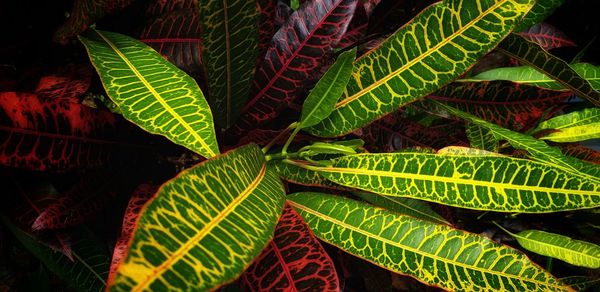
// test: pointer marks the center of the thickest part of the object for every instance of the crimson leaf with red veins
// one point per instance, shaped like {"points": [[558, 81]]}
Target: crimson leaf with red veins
{"points": [[294, 59], [293, 261], [68, 83], [547, 36]]}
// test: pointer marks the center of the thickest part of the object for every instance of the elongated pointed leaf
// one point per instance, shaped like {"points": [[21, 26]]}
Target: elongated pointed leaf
{"points": [[575, 252], [481, 182], [529, 75], [404, 206], [230, 33], [580, 283], [151, 92], [322, 98], [88, 270], [205, 226], [533, 55], [432, 50], [481, 138], [539, 12], [581, 152], [294, 58], [511, 105], [293, 261], [547, 36], [573, 127], [301, 176], [434, 254]]}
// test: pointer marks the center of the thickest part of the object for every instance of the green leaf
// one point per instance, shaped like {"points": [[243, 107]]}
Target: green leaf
{"points": [[575, 252], [434, 254], [531, 76], [573, 127], [533, 55], [205, 226], [89, 269], [580, 283], [230, 49], [480, 182], [404, 206], [433, 49], [539, 12], [322, 98], [151, 92], [481, 138], [301, 176]]}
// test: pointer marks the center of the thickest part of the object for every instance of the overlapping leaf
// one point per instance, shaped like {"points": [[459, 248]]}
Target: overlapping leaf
{"points": [[230, 33], [474, 181], [404, 206], [581, 152], [204, 227], [539, 12], [432, 50], [547, 36], [294, 58], [162, 7], [69, 82], [434, 254], [56, 134], [573, 127], [481, 138], [293, 261], [151, 92], [298, 175], [533, 55]]}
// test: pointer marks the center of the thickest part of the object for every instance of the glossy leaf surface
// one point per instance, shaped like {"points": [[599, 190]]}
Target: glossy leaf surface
{"points": [[295, 56], [533, 55], [430, 51], [230, 33], [205, 226], [293, 261], [151, 92], [573, 127], [434, 254], [404, 206]]}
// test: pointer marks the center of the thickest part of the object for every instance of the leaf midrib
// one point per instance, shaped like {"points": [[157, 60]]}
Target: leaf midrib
{"points": [[551, 246], [157, 96]]}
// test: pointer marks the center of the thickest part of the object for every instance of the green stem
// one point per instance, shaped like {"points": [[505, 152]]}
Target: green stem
{"points": [[283, 132], [291, 138]]}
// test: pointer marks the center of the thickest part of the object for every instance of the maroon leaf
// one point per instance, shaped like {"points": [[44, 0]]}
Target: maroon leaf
{"points": [[161, 7], [176, 36], [394, 132], [581, 152], [507, 104], [266, 25], [356, 30], [293, 261], [55, 134], [294, 58], [370, 5], [80, 203], [69, 83], [84, 13], [547, 36], [140, 196]]}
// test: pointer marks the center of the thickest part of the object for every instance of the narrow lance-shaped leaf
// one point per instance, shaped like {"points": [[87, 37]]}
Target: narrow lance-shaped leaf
{"points": [[293, 261], [581, 152], [151, 92], [580, 283], [298, 175], [296, 55], [481, 138], [404, 206], [547, 36], [322, 98], [575, 252], [473, 181], [573, 127], [433, 49], [533, 55], [539, 12], [529, 75], [435, 254], [205, 226], [230, 34]]}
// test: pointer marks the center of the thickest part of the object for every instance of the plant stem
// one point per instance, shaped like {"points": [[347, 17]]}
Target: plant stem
{"points": [[291, 138], [283, 132]]}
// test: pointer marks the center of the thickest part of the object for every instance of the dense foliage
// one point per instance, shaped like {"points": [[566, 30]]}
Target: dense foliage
{"points": [[319, 145]]}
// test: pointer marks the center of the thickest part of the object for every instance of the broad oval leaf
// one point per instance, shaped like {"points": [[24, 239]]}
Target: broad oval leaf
{"points": [[205, 226], [433, 49], [322, 98], [293, 261], [481, 182], [151, 92], [573, 127], [575, 252], [532, 54], [404, 206], [230, 34], [435, 254]]}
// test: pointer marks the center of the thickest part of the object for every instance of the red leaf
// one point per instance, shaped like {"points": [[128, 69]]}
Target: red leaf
{"points": [[357, 28], [69, 83], [507, 104], [294, 58], [55, 134], [140, 196], [547, 36], [370, 6], [293, 261], [581, 152], [161, 7]]}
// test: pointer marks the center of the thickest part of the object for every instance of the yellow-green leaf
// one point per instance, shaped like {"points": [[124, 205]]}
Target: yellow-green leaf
{"points": [[151, 92], [433, 49], [404, 206], [481, 138], [205, 226], [573, 127], [435, 254]]}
